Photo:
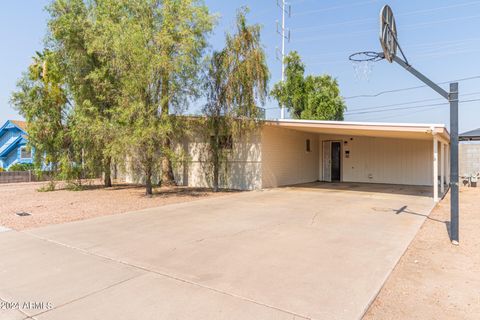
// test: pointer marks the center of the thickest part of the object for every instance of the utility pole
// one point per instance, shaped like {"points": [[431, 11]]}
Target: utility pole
{"points": [[285, 35]]}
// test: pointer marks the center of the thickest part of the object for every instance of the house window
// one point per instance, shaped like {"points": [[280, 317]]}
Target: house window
{"points": [[307, 145], [25, 153]]}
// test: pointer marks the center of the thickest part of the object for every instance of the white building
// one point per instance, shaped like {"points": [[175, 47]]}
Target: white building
{"points": [[288, 152]]}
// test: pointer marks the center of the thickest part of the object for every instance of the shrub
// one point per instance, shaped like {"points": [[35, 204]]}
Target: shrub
{"points": [[50, 186], [21, 167], [1, 169]]}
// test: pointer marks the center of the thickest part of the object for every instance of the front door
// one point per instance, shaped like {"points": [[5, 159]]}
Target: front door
{"points": [[336, 159]]}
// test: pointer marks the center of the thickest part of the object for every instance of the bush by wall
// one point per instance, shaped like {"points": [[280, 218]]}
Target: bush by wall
{"points": [[21, 167]]}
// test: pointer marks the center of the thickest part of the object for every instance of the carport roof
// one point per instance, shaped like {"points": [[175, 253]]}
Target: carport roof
{"points": [[423, 131]]}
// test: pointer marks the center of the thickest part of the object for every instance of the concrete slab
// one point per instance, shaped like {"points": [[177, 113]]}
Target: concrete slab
{"points": [[311, 251], [156, 297], [41, 275]]}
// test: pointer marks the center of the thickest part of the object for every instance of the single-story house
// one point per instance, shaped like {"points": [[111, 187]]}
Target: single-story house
{"points": [[288, 152], [13, 144]]}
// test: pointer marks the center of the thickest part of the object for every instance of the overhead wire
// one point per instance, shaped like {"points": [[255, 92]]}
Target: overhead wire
{"points": [[407, 89], [406, 103], [414, 107]]}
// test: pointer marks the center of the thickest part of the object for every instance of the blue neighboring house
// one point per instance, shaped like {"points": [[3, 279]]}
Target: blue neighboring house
{"points": [[13, 144]]}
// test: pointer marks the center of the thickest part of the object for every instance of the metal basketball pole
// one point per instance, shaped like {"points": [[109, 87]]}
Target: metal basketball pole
{"points": [[389, 42], [452, 98], [454, 196]]}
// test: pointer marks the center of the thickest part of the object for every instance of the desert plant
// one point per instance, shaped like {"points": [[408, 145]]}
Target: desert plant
{"points": [[21, 167]]}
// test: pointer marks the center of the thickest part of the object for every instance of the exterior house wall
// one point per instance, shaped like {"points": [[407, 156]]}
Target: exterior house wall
{"points": [[241, 171], [11, 158], [469, 158], [384, 160], [285, 160], [277, 156], [12, 140]]}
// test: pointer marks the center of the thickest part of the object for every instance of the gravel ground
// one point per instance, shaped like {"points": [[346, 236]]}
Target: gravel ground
{"points": [[64, 205], [434, 279]]}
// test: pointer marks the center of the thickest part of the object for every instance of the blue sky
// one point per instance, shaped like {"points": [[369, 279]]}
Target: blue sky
{"points": [[440, 38]]}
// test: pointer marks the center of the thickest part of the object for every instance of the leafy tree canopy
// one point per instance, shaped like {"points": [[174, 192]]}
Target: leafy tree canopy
{"points": [[236, 84], [308, 97]]}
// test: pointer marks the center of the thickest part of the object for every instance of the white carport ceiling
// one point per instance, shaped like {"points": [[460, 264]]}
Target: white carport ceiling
{"points": [[369, 129]]}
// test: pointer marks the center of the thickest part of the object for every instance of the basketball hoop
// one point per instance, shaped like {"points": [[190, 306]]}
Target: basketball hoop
{"points": [[388, 33], [363, 63]]}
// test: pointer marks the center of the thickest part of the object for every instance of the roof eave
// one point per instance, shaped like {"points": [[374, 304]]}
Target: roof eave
{"points": [[11, 147]]}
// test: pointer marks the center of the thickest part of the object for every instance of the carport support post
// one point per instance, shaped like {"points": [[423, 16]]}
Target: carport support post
{"points": [[448, 164], [454, 210], [442, 168], [435, 169]]}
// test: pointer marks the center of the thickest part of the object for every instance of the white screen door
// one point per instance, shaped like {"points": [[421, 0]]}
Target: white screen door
{"points": [[327, 161]]}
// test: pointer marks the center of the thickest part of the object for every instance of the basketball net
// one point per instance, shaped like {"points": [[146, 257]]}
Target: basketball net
{"points": [[362, 69]]}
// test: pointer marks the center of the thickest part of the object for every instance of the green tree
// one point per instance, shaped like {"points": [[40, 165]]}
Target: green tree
{"points": [[42, 100], [92, 81], [236, 83], [156, 48], [182, 37], [291, 93], [311, 97], [323, 100]]}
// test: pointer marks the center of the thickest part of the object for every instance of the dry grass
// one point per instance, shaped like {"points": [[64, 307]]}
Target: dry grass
{"points": [[434, 279], [64, 205]]}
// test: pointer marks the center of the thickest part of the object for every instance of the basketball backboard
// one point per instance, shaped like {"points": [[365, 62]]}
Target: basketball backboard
{"points": [[388, 33]]}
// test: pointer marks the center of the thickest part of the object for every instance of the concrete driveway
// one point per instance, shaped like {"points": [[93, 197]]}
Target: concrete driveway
{"points": [[308, 252]]}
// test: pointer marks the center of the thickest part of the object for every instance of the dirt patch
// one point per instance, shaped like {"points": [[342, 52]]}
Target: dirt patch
{"points": [[435, 280], [64, 205]]}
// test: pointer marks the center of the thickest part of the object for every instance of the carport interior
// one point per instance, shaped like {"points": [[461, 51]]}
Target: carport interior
{"points": [[371, 153]]}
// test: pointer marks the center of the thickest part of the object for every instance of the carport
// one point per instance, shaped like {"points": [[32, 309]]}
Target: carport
{"points": [[340, 151]]}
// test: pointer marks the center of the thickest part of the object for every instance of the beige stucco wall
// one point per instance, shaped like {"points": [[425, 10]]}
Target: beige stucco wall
{"points": [[285, 160], [277, 156], [469, 158], [241, 171], [384, 160]]}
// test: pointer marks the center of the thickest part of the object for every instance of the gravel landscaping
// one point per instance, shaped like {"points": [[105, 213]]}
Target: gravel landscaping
{"points": [[434, 279], [63, 205]]}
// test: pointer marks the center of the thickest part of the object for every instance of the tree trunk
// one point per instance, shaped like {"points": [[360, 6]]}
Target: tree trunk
{"points": [[148, 180], [107, 178], [167, 169], [216, 169], [215, 153]]}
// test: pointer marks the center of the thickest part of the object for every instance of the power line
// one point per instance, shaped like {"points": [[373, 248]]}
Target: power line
{"points": [[399, 114], [333, 8], [391, 105], [400, 108], [414, 107], [365, 31], [406, 103], [367, 20], [406, 89]]}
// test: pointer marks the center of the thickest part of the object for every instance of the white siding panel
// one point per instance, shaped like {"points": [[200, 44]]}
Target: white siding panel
{"points": [[242, 171], [385, 160], [285, 160]]}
